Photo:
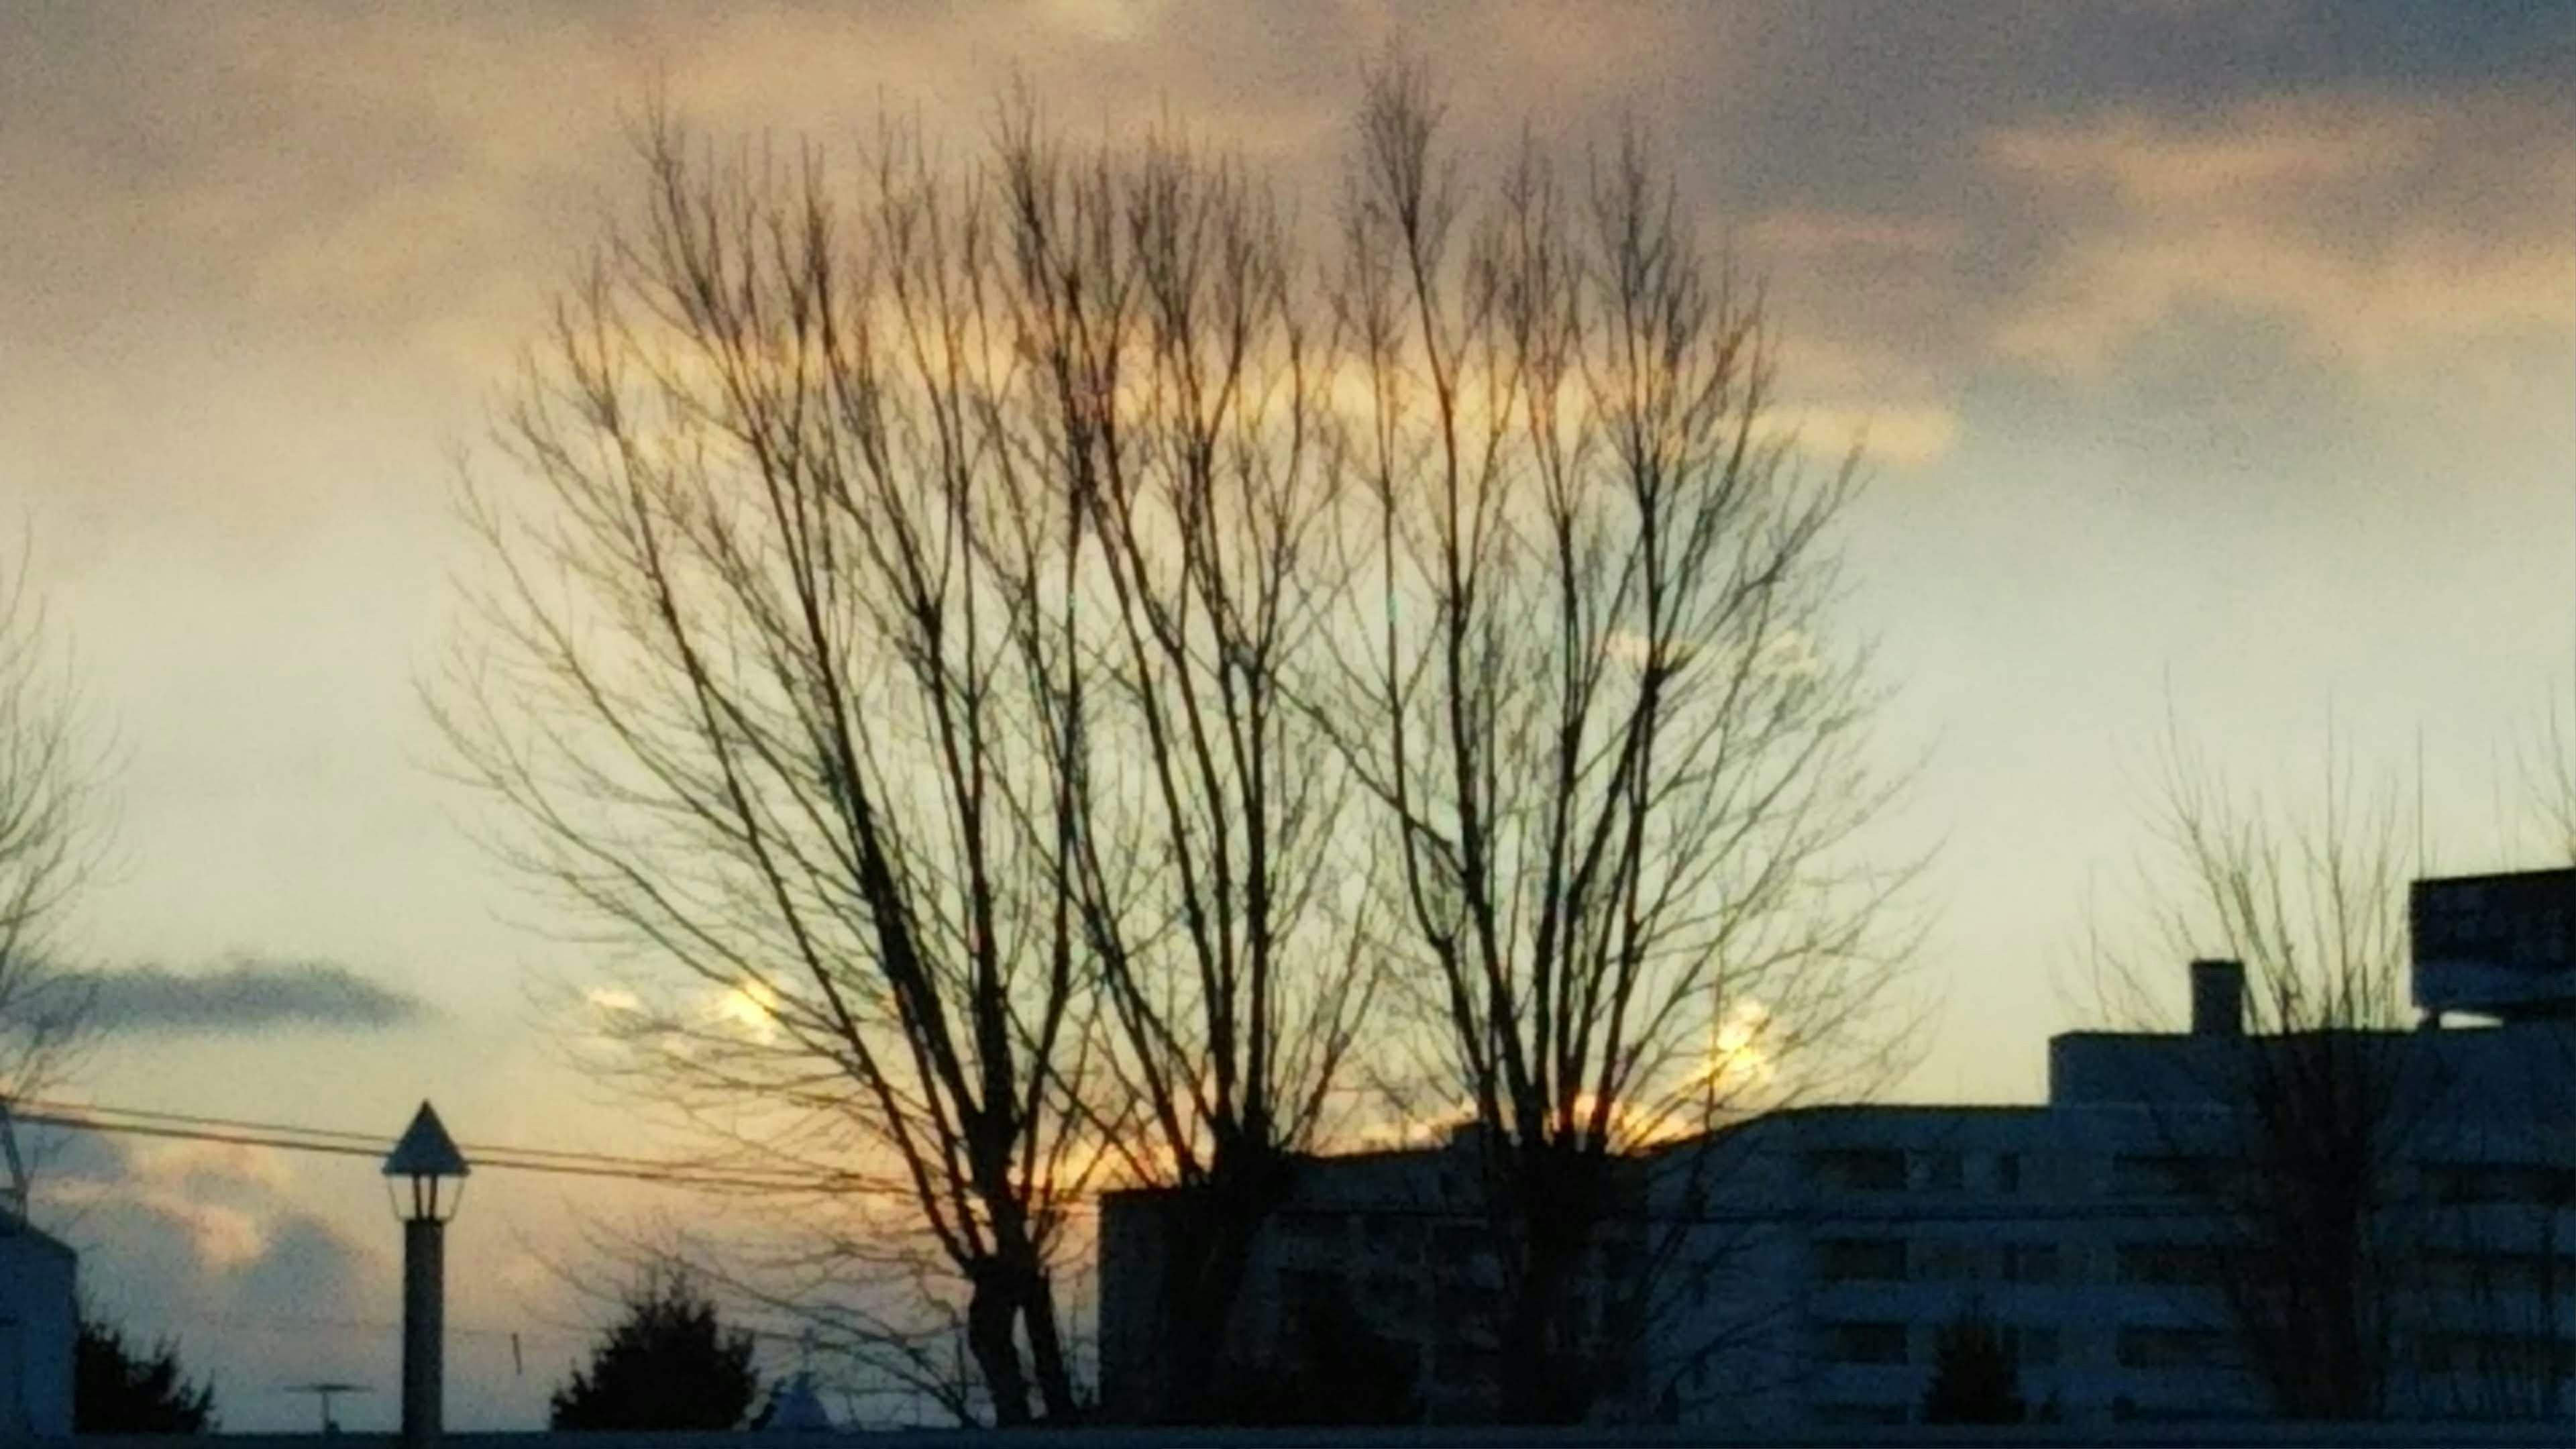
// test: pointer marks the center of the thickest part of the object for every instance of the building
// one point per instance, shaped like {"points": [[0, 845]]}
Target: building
{"points": [[1796, 1271], [1397, 1241], [39, 1326]]}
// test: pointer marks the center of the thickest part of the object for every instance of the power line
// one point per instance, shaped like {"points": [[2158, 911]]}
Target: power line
{"points": [[364, 1143], [287, 1137]]}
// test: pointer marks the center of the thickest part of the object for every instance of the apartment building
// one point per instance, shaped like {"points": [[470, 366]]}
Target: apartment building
{"points": [[1829, 1247], [1796, 1271]]}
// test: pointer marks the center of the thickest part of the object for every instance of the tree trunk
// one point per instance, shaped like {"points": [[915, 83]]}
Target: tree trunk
{"points": [[1209, 1246], [1046, 1348], [1546, 1379], [992, 1308]]}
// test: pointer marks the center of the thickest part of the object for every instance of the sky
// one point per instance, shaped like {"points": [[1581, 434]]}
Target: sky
{"points": [[2213, 359]]}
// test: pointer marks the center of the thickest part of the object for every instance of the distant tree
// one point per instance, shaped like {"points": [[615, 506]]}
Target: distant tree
{"points": [[1973, 1377], [116, 1390], [668, 1365], [2301, 1168]]}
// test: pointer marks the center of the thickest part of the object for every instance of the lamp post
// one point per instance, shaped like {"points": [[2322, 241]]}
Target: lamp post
{"points": [[426, 1157]]}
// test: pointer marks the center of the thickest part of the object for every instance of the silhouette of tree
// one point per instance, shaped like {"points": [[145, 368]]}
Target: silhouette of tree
{"points": [[789, 726], [1974, 1378], [48, 839], [935, 565], [669, 1364], [2322, 1098], [1186, 354], [938, 622], [1617, 759], [116, 1390]]}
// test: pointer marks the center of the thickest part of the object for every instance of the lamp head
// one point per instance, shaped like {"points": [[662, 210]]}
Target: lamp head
{"points": [[426, 1156]]}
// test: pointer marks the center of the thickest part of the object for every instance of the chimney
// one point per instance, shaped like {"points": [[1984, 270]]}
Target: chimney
{"points": [[2218, 998]]}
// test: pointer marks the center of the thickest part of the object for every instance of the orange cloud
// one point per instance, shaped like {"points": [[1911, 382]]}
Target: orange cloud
{"points": [[1905, 435]]}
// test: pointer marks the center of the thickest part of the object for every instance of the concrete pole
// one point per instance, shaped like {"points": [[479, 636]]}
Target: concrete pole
{"points": [[424, 1329]]}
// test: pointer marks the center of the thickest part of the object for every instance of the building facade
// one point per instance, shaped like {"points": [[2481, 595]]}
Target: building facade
{"points": [[2145, 1241], [39, 1326]]}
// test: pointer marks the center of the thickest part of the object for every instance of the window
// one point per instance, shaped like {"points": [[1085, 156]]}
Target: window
{"points": [[1943, 1172], [1312, 1297], [2007, 1172], [1860, 1260], [2481, 1182], [1865, 1342], [1468, 1365], [2032, 1347], [2162, 1176], [1306, 1287], [1392, 1235], [1858, 1169], [1949, 1262], [1473, 1303], [1311, 1227], [1854, 1414], [1395, 1293], [2030, 1262], [1619, 1259], [2173, 1348], [1459, 1249], [2174, 1263], [2517, 1355], [2502, 1272]]}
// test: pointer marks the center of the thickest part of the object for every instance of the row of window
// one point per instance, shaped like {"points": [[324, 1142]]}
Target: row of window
{"points": [[2161, 1174], [1901, 1260], [1893, 1169], [2142, 1347], [2031, 1345], [2466, 1183], [1898, 1260], [2517, 1355], [1451, 1242], [2446, 1183], [2553, 1274]]}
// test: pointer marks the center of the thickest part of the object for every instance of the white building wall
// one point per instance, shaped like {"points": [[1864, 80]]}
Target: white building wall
{"points": [[1850, 1235]]}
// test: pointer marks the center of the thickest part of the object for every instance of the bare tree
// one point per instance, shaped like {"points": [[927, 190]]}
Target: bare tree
{"points": [[1617, 761], [1187, 358], [49, 839], [2296, 1136], [892, 631], [777, 601], [2548, 787]]}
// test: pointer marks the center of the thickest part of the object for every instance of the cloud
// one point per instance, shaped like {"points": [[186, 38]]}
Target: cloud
{"points": [[2390, 237], [205, 1242], [1803, 236], [1907, 435], [245, 997]]}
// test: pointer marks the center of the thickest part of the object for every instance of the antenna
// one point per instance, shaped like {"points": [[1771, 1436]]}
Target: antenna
{"points": [[324, 1392]]}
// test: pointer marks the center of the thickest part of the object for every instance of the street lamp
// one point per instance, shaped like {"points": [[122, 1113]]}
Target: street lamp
{"points": [[427, 1157]]}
